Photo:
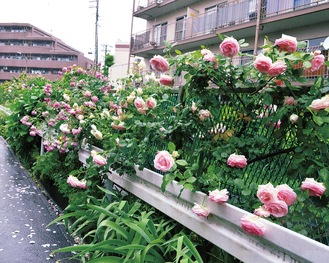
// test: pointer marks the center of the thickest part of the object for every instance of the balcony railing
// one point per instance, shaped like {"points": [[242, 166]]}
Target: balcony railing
{"points": [[226, 15]]}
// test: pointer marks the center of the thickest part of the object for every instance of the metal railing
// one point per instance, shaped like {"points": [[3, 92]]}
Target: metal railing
{"points": [[226, 15]]}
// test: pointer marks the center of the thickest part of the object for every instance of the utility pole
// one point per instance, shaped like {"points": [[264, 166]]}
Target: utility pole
{"points": [[96, 33], [106, 46]]}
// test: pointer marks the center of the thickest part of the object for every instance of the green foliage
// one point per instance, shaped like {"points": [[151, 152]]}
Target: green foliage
{"points": [[124, 230]]}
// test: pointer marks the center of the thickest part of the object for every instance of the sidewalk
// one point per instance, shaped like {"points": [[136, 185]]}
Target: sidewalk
{"points": [[24, 215]]}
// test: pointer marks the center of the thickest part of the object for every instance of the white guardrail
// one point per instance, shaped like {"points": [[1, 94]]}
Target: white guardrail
{"points": [[222, 226]]}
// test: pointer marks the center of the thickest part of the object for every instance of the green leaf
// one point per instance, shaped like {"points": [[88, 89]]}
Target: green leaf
{"points": [[171, 147], [106, 259], [139, 229], [110, 224], [307, 64], [320, 120], [181, 162], [190, 179]]}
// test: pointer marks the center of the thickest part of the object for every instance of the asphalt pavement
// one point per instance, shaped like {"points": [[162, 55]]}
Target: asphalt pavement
{"points": [[25, 212]]}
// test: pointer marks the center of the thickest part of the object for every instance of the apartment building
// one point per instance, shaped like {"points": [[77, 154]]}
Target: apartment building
{"points": [[26, 48], [192, 23]]}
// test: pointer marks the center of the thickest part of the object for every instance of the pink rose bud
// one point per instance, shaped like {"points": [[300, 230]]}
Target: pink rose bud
{"points": [[140, 105], [151, 103], [229, 47], [286, 43], [211, 58], [319, 104], [118, 126], [163, 161], [159, 63], [166, 80], [252, 225], [262, 63], [277, 208], [314, 188], [218, 196], [194, 107], [99, 160], [206, 52], [200, 210], [75, 182], [262, 212], [317, 62], [204, 114], [293, 118], [237, 161], [286, 194], [277, 68], [266, 193], [288, 100], [94, 98], [87, 93]]}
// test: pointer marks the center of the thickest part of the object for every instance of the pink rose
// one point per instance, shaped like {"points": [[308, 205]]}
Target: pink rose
{"points": [[286, 194], [118, 126], [163, 161], [288, 100], [151, 103], [252, 225], [317, 62], [261, 211], [218, 196], [206, 52], [314, 188], [94, 98], [238, 161], [266, 193], [229, 47], [286, 43], [99, 160], [319, 104], [200, 210], [159, 63], [211, 58], [262, 63], [166, 80], [277, 208], [75, 132], [140, 105], [277, 68], [204, 114], [75, 182], [293, 118]]}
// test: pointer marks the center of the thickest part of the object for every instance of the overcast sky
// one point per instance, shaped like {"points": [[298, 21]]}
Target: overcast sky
{"points": [[73, 21]]}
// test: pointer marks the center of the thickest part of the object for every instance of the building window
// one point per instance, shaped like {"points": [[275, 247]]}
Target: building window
{"points": [[160, 33], [180, 28]]}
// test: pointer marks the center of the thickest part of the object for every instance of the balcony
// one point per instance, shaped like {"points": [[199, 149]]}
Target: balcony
{"points": [[238, 18], [148, 9]]}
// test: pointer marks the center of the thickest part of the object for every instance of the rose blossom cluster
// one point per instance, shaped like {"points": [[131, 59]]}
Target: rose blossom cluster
{"points": [[276, 200], [264, 64]]}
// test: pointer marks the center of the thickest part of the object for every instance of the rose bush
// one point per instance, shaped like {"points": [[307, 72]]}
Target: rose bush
{"points": [[228, 126]]}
